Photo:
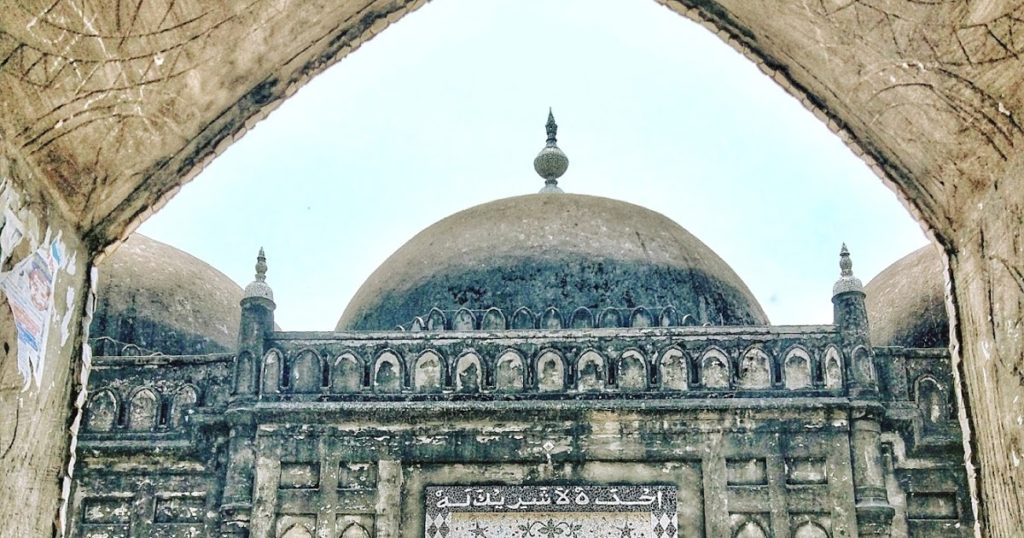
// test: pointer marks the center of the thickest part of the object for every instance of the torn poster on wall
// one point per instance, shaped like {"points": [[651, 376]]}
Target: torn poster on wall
{"points": [[29, 288]]}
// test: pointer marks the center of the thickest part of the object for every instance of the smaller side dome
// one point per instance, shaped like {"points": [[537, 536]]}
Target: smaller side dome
{"points": [[152, 297], [906, 302]]}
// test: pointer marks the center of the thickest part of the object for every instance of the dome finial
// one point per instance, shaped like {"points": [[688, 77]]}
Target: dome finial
{"points": [[551, 162], [261, 266], [847, 282], [552, 128], [845, 263], [259, 287]]}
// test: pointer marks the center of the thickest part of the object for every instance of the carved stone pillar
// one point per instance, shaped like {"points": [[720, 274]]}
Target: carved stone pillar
{"points": [[236, 507]]}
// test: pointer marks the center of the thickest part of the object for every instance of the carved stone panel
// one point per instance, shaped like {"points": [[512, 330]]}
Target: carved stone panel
{"points": [[542, 511]]}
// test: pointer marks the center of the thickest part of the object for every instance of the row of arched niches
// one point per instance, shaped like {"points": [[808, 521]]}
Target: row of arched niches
{"points": [[496, 319], [538, 370], [766, 369], [146, 408]]}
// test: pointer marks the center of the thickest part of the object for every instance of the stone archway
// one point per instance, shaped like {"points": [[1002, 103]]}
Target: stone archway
{"points": [[109, 111]]}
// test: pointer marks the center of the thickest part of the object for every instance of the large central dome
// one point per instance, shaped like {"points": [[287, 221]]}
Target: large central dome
{"points": [[552, 249]]}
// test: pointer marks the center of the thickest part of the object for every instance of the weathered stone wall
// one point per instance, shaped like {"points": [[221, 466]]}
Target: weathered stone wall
{"points": [[40, 396], [149, 464], [725, 475], [755, 427], [922, 444]]}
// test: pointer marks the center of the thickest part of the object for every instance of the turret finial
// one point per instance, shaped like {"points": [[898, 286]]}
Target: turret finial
{"points": [[847, 282], [259, 287], [845, 263], [261, 266], [551, 162]]}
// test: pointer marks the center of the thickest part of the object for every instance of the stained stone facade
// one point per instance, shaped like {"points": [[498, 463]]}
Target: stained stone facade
{"points": [[756, 430], [548, 366]]}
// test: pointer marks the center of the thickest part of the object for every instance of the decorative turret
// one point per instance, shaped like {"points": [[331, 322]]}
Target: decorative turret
{"points": [[256, 325], [849, 312], [874, 512], [257, 322], [551, 162]]}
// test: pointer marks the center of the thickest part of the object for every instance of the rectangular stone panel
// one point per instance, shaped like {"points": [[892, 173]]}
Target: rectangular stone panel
{"points": [[806, 471], [357, 475], [179, 510], [637, 511], [746, 472], [101, 510], [932, 506], [300, 475]]}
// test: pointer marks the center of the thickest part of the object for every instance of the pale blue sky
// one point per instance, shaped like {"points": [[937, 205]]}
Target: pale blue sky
{"points": [[446, 110]]}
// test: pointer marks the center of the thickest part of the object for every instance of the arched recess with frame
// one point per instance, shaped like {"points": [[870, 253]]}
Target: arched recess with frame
{"points": [[932, 400], [469, 373], [510, 372], [590, 371], [185, 399], [862, 365], [715, 372], [347, 373], [832, 364], [101, 412], [632, 374], [428, 372], [306, 372], [271, 372], [551, 370], [755, 369], [388, 374], [143, 408], [945, 165], [673, 369], [797, 367]]}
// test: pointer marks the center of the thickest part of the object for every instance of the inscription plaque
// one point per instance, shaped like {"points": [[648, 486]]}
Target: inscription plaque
{"points": [[647, 511]]}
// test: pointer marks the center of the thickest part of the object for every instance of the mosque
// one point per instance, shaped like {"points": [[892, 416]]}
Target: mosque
{"points": [[551, 365]]}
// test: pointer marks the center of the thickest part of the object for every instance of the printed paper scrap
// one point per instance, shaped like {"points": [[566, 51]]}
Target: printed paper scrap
{"points": [[29, 288]]}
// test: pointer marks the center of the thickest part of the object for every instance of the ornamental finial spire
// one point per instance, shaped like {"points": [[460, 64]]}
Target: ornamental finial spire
{"points": [[551, 162], [259, 287], [552, 128], [847, 282], [845, 263], [261, 266]]}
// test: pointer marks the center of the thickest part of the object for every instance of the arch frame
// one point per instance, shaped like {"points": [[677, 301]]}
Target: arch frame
{"points": [[260, 94], [563, 363]]}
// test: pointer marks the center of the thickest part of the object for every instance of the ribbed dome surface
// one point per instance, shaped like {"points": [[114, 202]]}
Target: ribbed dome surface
{"points": [[906, 302], [163, 300], [560, 250]]}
